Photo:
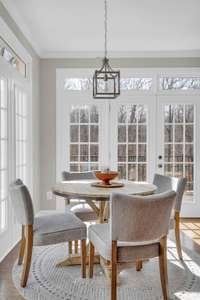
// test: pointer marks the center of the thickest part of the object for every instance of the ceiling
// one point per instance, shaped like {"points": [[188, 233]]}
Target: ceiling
{"points": [[75, 28]]}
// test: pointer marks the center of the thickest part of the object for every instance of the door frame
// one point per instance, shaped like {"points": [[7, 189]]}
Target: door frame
{"points": [[134, 96]]}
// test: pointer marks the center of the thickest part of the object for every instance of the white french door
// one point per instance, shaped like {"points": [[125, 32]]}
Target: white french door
{"points": [[104, 134], [153, 126], [83, 141], [132, 139], [178, 142]]}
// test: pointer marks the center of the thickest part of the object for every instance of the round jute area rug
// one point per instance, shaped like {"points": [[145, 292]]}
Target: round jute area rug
{"points": [[48, 282]]}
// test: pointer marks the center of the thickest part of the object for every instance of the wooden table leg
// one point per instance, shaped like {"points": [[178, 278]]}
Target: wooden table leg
{"points": [[75, 260], [101, 211]]}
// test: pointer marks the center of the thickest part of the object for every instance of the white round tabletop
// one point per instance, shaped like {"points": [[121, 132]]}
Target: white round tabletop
{"points": [[83, 188]]}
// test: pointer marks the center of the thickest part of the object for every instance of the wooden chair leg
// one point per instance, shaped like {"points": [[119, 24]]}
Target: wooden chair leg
{"points": [[21, 248], [70, 247], [76, 247], [177, 235], [28, 254], [83, 258], [163, 267], [138, 265], [91, 260], [114, 271]]}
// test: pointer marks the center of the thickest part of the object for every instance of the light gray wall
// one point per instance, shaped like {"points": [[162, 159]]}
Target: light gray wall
{"points": [[35, 99], [48, 106]]}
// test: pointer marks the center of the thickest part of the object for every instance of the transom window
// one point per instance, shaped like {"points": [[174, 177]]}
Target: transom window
{"points": [[180, 83], [11, 57], [84, 84]]}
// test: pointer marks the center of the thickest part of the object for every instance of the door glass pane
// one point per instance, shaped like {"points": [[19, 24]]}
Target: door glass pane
{"points": [[132, 133], [179, 143], [84, 138], [132, 142], [168, 152], [84, 133], [122, 134], [168, 133]]}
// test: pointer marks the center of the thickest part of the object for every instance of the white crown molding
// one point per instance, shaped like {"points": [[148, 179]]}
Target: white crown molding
{"points": [[122, 54], [12, 10]]}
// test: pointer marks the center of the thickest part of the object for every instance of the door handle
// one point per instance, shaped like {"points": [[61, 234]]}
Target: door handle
{"points": [[160, 166]]}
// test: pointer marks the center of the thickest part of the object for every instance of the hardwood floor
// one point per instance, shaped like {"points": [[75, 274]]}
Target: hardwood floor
{"points": [[7, 289], [190, 236]]}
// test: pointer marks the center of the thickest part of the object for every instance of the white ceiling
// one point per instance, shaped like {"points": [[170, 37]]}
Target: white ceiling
{"points": [[74, 28]]}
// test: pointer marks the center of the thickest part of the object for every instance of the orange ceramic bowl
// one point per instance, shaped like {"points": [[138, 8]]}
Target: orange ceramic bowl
{"points": [[106, 176]]}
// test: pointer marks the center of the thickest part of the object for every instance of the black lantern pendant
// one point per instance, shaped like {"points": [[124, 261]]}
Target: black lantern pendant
{"points": [[106, 81]]}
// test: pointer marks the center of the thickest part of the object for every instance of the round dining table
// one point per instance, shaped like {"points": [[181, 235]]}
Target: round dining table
{"points": [[84, 189]]}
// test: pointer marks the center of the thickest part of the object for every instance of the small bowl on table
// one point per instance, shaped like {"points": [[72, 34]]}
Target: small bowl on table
{"points": [[106, 177]]}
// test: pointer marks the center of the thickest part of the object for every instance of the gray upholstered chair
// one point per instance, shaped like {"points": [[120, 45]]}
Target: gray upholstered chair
{"points": [[47, 228], [79, 207], [137, 229], [165, 183]]}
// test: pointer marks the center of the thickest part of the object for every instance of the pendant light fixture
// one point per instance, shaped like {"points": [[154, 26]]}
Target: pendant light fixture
{"points": [[106, 81]]}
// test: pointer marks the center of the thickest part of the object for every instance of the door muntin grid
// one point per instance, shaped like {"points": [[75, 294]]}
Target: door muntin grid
{"points": [[179, 143], [3, 153], [84, 138], [132, 142]]}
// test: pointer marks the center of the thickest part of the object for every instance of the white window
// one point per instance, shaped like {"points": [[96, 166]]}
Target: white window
{"points": [[21, 134], [9, 55], [15, 134], [4, 153]]}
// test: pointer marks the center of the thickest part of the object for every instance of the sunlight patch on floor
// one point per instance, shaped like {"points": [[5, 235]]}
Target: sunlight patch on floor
{"points": [[191, 230]]}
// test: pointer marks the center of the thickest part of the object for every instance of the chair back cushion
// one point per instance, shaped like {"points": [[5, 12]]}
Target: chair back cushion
{"points": [[140, 218], [77, 175], [22, 202], [166, 183]]}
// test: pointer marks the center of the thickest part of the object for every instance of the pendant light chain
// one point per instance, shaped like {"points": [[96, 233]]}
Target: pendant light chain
{"points": [[106, 81], [105, 26]]}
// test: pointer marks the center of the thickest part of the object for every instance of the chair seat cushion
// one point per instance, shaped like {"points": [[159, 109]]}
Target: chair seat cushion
{"points": [[54, 227], [84, 212], [99, 235]]}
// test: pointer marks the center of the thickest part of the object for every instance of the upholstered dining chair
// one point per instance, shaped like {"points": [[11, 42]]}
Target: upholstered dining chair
{"points": [[138, 228], [79, 207], [165, 183], [47, 228]]}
